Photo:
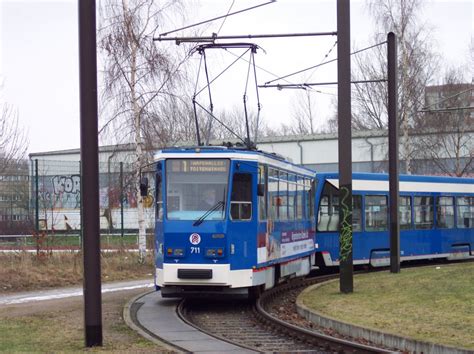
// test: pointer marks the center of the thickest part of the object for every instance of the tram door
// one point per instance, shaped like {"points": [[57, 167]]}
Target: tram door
{"points": [[242, 224]]}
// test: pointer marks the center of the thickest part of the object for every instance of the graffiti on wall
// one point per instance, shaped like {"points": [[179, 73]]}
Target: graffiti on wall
{"points": [[66, 184]]}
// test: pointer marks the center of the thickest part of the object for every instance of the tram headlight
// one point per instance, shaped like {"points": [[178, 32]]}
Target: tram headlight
{"points": [[214, 252], [178, 252], [175, 252]]}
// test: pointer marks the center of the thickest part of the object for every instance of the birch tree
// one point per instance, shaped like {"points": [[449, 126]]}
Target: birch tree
{"points": [[304, 115], [416, 67], [13, 140], [139, 75], [448, 123]]}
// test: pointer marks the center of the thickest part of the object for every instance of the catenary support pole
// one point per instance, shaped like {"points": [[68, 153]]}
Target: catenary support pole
{"points": [[90, 172], [344, 144], [393, 165]]}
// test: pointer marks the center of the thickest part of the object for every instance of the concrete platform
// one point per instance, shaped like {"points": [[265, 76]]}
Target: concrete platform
{"points": [[159, 320]]}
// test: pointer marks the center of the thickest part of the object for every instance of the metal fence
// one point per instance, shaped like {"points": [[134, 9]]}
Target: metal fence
{"points": [[45, 197]]}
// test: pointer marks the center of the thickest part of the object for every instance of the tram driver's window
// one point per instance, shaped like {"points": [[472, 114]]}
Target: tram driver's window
{"points": [[241, 197]]}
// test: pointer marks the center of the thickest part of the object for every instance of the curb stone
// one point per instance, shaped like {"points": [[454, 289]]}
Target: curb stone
{"points": [[377, 337]]}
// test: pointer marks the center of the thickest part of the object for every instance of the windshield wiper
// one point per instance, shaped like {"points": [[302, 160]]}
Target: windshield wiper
{"points": [[207, 213]]}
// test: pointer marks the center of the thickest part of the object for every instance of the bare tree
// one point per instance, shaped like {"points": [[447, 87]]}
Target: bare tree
{"points": [[304, 115], [139, 76], [448, 142], [232, 126], [417, 64], [13, 140]]}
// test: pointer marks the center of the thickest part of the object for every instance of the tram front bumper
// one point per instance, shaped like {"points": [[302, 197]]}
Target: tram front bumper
{"points": [[203, 274]]}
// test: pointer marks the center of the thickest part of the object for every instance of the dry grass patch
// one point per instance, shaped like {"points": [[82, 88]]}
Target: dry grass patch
{"points": [[26, 271], [433, 304]]}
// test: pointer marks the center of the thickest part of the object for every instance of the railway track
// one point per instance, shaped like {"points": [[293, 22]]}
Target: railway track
{"points": [[270, 324]]}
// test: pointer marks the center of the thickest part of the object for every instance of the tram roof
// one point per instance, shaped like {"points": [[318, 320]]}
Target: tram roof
{"points": [[234, 153], [407, 183]]}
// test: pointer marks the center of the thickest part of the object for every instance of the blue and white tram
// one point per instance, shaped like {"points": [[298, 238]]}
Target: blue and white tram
{"points": [[436, 217], [230, 220]]}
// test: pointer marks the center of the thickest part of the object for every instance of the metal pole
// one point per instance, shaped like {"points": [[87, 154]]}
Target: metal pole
{"points": [[121, 201], [90, 173], [212, 39], [36, 197], [393, 153], [346, 282]]}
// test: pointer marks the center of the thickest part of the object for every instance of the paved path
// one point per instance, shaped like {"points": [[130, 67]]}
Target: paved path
{"points": [[42, 295], [158, 316]]}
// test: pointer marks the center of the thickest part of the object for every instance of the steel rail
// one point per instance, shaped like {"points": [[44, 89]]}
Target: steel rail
{"points": [[342, 345]]}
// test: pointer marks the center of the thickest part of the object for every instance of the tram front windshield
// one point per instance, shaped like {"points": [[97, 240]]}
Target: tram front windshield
{"points": [[195, 187]]}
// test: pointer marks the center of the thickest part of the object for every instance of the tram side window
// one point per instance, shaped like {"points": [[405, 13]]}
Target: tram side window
{"points": [[159, 197], [282, 201], [404, 212], [423, 209], [445, 212], [310, 189], [376, 213], [262, 200], [241, 198], [272, 193], [328, 216], [465, 206], [357, 213], [292, 204]]}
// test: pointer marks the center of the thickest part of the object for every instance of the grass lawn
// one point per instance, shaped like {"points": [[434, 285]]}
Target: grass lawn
{"points": [[433, 304], [58, 326], [72, 241]]}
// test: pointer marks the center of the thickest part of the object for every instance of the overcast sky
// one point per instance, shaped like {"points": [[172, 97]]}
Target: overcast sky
{"points": [[39, 55]]}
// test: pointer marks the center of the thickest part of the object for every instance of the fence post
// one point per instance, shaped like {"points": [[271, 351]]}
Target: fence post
{"points": [[121, 201], [36, 197]]}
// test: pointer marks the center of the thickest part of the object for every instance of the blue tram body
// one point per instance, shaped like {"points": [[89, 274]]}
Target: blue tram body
{"points": [[436, 216], [230, 220]]}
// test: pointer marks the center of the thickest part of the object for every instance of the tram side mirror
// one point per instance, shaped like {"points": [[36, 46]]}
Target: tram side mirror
{"points": [[260, 189], [144, 186]]}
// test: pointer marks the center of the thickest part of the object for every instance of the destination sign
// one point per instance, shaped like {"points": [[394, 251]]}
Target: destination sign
{"points": [[199, 165]]}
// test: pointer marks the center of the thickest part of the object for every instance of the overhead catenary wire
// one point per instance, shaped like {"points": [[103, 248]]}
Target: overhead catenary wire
{"points": [[309, 84], [324, 63], [324, 58], [275, 75], [216, 18], [225, 17], [447, 98]]}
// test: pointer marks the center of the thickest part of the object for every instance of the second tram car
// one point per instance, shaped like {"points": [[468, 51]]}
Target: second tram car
{"points": [[230, 220], [436, 218]]}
